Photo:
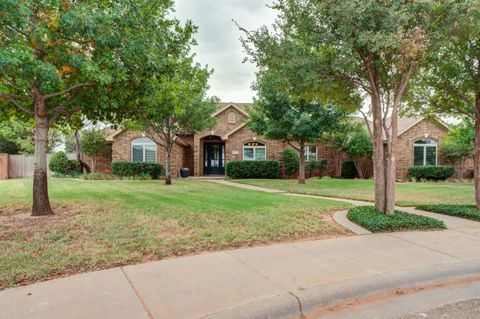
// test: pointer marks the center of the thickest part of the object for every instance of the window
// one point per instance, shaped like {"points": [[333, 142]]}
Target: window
{"points": [[424, 152], [254, 151], [144, 150], [310, 153], [232, 117]]}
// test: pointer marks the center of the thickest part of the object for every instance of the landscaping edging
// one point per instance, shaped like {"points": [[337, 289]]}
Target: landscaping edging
{"points": [[340, 218]]}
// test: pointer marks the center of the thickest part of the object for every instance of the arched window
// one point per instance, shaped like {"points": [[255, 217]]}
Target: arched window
{"points": [[232, 117], [144, 150], [254, 151], [424, 152]]}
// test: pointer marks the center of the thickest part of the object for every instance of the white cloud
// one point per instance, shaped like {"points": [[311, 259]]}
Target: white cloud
{"points": [[219, 41]]}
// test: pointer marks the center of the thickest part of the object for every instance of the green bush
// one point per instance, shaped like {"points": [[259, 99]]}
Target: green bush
{"points": [[253, 169], [291, 161], [61, 165], [320, 165], [463, 211], [136, 169], [430, 173], [368, 217], [348, 169], [103, 177]]}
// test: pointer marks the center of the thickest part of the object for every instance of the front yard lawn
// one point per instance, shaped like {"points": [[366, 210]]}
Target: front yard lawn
{"points": [[407, 193], [369, 218], [102, 224], [463, 211]]}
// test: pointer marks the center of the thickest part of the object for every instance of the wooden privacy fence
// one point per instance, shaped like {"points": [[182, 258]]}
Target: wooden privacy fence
{"points": [[21, 166]]}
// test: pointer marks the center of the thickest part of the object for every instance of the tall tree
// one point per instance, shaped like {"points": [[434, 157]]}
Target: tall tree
{"points": [[296, 121], [176, 104], [375, 47], [62, 57], [450, 82]]}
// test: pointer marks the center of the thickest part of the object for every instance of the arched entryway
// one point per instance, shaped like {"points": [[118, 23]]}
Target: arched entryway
{"points": [[213, 155]]}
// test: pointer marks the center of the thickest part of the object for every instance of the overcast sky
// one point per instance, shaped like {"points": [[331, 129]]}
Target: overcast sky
{"points": [[218, 41]]}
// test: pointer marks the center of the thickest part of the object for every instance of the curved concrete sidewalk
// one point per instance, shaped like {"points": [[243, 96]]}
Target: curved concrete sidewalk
{"points": [[276, 281]]}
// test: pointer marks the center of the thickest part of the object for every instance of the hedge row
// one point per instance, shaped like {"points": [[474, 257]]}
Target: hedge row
{"points": [[431, 173], [463, 211], [137, 169], [253, 169], [368, 217]]}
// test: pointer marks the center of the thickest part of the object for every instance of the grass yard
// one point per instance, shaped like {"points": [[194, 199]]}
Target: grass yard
{"points": [[102, 224], [407, 193]]}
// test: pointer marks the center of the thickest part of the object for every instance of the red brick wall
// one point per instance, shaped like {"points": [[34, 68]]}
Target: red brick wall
{"points": [[122, 148], [192, 157], [404, 151], [103, 163]]}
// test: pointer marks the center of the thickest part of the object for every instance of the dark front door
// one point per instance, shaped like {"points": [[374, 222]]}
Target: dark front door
{"points": [[214, 154]]}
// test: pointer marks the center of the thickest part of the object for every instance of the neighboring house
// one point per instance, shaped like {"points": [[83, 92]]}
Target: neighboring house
{"points": [[207, 152]]}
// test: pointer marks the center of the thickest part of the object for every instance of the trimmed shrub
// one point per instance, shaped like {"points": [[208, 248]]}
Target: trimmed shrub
{"points": [[463, 211], [431, 173], [253, 169], [137, 169], [371, 219], [348, 169], [291, 161], [60, 164], [320, 165], [109, 177]]}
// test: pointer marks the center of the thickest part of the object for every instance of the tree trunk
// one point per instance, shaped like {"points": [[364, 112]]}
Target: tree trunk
{"points": [[78, 151], [358, 166], [301, 170], [391, 166], [378, 154], [168, 175], [41, 201], [476, 153]]}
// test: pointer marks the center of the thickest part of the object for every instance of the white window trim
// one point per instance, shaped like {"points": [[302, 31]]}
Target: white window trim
{"points": [[264, 146], [143, 144], [415, 144], [307, 152]]}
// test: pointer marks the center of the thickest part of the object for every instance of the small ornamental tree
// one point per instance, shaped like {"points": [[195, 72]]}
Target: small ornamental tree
{"points": [[94, 145], [296, 121], [175, 105], [335, 141], [457, 146], [359, 148]]}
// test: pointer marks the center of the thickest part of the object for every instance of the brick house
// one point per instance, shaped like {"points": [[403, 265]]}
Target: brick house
{"points": [[207, 152]]}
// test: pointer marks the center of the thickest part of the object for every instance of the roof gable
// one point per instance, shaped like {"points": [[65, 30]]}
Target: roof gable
{"points": [[227, 106]]}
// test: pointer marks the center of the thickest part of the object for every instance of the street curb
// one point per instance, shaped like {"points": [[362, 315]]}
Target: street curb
{"points": [[303, 302]]}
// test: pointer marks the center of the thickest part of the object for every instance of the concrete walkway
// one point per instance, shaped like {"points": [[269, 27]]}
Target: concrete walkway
{"points": [[276, 281]]}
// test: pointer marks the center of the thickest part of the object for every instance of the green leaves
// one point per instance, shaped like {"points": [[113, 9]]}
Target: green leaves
{"points": [[279, 116]]}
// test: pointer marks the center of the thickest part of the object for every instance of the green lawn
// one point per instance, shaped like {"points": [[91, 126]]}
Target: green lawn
{"points": [[407, 194], [101, 224]]}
